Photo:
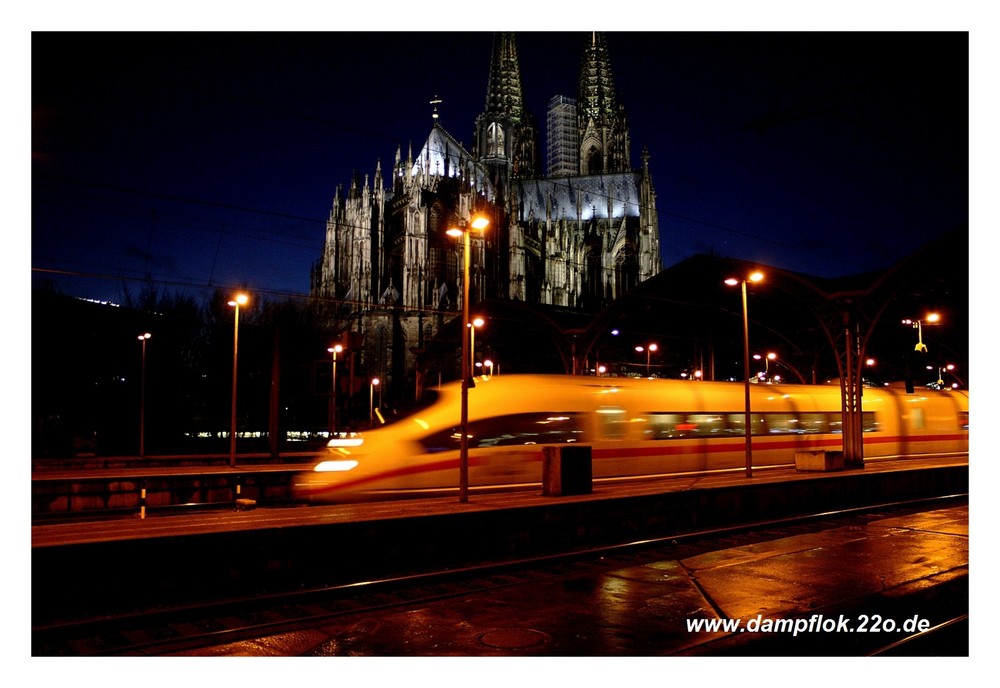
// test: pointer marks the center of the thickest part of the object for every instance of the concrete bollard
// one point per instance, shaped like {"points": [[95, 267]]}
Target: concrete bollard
{"points": [[567, 470]]}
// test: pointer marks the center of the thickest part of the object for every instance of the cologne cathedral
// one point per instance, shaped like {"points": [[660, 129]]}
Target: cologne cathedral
{"points": [[576, 235]]}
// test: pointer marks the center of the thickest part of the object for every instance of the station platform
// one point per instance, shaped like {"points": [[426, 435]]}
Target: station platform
{"points": [[233, 520]]}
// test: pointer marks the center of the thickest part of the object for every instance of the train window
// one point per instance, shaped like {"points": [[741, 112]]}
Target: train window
{"points": [[917, 418], [706, 424], [782, 424], [514, 429], [611, 424], [661, 426], [797, 423], [668, 426], [813, 423], [836, 423], [963, 420], [758, 424], [735, 424]]}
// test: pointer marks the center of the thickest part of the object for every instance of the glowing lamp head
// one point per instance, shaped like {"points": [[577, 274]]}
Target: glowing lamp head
{"points": [[755, 276], [239, 300]]}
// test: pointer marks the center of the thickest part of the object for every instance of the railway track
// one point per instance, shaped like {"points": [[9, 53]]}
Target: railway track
{"points": [[186, 630]]}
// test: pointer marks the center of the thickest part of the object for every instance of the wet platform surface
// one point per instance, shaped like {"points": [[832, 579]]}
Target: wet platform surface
{"points": [[895, 571]]}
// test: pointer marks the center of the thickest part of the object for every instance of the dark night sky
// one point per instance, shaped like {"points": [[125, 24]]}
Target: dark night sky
{"points": [[212, 159]]}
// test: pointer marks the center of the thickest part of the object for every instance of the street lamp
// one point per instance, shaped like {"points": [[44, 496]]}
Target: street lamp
{"points": [[335, 349], [767, 359], [649, 349], [918, 326], [371, 402], [732, 281], [142, 397], [950, 368], [479, 223], [476, 322], [238, 300]]}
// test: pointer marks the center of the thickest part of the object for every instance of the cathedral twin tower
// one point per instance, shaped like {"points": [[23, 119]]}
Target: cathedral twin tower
{"points": [[577, 236]]}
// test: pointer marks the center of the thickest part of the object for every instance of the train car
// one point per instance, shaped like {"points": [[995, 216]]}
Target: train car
{"points": [[634, 426]]}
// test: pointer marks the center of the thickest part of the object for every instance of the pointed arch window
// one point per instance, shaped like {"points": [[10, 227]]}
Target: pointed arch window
{"points": [[626, 270], [594, 161], [494, 139]]}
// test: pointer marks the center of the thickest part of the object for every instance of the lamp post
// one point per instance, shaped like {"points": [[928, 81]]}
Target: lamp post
{"points": [[142, 397], [238, 300], [371, 402], [950, 368], [335, 349], [649, 350], [918, 326], [476, 322], [732, 281], [480, 223], [767, 359], [920, 347]]}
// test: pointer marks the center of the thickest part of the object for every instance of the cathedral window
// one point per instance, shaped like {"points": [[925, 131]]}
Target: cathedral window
{"points": [[626, 270], [494, 139], [593, 159]]}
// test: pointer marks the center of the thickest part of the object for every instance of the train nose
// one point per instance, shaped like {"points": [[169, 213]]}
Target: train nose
{"points": [[324, 481], [332, 471]]}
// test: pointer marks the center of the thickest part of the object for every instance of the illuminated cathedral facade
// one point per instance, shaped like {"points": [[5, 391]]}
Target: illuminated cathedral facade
{"points": [[575, 235]]}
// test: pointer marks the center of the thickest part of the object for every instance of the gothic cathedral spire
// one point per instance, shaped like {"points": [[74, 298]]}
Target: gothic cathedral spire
{"points": [[604, 137], [506, 135]]}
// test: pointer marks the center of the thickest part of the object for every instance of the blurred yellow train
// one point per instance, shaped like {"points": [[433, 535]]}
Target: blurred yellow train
{"points": [[635, 427]]}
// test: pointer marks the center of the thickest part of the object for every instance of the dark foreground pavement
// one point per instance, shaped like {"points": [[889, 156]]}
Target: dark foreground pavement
{"points": [[845, 591]]}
